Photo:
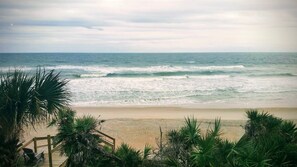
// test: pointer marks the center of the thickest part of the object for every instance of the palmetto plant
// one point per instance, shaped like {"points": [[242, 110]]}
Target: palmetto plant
{"points": [[130, 157], [207, 147], [24, 101], [79, 138], [181, 143], [268, 141], [190, 133], [273, 137]]}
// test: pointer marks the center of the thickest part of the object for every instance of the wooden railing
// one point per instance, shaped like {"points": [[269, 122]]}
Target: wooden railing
{"points": [[35, 139], [106, 139], [49, 145]]}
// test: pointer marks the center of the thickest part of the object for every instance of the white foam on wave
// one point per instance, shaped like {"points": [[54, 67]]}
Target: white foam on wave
{"points": [[7, 69], [177, 90], [92, 75], [137, 89], [107, 69], [219, 67], [144, 69], [103, 71], [118, 69], [191, 62], [197, 77]]}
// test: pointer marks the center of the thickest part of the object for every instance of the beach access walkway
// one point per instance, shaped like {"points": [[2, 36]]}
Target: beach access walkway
{"points": [[52, 154]]}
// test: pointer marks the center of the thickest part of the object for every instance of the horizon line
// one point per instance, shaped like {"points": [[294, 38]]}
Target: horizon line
{"points": [[147, 52]]}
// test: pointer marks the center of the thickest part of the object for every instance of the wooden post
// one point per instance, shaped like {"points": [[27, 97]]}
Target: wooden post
{"points": [[49, 145], [113, 147], [35, 144]]}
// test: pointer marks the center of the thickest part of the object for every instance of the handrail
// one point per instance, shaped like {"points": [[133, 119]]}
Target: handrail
{"points": [[35, 139], [112, 143], [64, 163], [108, 143], [108, 140], [43, 138], [42, 146], [105, 134], [26, 144], [56, 148]]}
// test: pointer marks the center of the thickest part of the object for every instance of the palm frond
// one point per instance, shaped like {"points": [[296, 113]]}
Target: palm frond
{"points": [[26, 100], [51, 90], [190, 132], [146, 151], [129, 156]]}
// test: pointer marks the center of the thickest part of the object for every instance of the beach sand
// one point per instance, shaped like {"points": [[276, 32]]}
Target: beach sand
{"points": [[138, 126]]}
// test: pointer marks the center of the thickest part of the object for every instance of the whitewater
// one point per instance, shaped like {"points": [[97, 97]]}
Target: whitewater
{"points": [[174, 79]]}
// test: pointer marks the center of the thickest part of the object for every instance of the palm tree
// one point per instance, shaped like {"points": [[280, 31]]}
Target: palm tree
{"points": [[24, 101], [80, 141]]}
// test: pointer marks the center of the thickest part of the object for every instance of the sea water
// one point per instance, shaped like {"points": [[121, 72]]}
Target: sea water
{"points": [[173, 79]]}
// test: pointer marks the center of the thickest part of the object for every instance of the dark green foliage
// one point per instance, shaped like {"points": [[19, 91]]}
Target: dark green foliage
{"points": [[268, 141], [8, 152], [274, 138], [80, 141], [180, 143], [146, 152], [207, 148], [190, 133], [129, 156], [24, 101], [153, 163]]}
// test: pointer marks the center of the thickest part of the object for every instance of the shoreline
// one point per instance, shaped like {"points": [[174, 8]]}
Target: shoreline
{"points": [[190, 105], [173, 112]]}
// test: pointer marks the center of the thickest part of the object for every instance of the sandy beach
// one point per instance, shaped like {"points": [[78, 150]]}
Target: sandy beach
{"points": [[138, 126]]}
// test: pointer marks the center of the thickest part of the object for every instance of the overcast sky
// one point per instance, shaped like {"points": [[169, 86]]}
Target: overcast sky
{"points": [[148, 26]]}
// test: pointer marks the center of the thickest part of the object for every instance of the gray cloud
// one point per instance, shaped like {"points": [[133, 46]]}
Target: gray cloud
{"points": [[142, 25]]}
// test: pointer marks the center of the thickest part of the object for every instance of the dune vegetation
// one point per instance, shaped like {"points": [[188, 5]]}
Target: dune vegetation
{"points": [[268, 141]]}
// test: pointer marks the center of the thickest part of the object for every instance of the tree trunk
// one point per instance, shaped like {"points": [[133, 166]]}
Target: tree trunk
{"points": [[8, 152]]}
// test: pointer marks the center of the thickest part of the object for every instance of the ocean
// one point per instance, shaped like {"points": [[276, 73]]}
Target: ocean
{"points": [[223, 80]]}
